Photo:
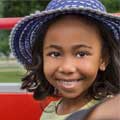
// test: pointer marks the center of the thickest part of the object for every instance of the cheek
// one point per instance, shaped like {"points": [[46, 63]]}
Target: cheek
{"points": [[46, 68], [89, 69], [48, 71], [90, 72], [49, 68]]}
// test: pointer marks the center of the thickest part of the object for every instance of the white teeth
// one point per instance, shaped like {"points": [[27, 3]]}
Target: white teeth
{"points": [[69, 81], [68, 84]]}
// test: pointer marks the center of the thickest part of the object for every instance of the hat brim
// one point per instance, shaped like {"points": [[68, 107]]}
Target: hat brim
{"points": [[23, 34]]}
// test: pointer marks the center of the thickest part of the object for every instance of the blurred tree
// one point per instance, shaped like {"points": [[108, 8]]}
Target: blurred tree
{"points": [[17, 8], [4, 46], [1, 9], [112, 5]]}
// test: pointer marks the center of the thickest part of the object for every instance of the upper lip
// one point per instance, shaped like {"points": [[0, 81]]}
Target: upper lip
{"points": [[68, 79]]}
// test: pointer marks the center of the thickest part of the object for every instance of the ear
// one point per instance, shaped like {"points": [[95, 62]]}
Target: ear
{"points": [[103, 63]]}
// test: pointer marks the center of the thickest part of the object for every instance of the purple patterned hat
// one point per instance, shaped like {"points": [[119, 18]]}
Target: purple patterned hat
{"points": [[23, 34]]}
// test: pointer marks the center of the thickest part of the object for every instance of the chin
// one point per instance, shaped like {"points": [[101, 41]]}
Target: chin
{"points": [[71, 95]]}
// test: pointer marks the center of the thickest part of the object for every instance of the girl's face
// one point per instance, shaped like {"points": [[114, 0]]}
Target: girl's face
{"points": [[72, 56]]}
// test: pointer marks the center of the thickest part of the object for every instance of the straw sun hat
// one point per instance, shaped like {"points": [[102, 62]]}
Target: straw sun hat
{"points": [[23, 34]]}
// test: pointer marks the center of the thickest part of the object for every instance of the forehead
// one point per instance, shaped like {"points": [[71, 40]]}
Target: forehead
{"points": [[70, 18], [72, 28]]}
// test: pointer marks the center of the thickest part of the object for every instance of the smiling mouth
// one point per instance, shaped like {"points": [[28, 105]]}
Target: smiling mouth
{"points": [[68, 83], [70, 80]]}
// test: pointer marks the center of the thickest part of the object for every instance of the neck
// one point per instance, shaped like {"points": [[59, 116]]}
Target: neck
{"points": [[67, 105]]}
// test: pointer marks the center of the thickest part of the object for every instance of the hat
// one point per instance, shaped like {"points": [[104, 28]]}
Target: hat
{"points": [[24, 33]]}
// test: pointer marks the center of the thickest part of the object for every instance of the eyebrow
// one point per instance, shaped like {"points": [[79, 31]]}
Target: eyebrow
{"points": [[81, 46], [73, 47], [54, 46]]}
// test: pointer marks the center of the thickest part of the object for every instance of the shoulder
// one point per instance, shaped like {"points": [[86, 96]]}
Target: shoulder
{"points": [[109, 108], [106, 109]]}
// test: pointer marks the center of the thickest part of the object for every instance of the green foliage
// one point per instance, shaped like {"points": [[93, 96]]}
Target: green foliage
{"points": [[4, 44], [16, 8], [1, 9], [112, 5]]}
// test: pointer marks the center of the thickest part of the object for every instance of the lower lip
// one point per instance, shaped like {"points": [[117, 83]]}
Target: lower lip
{"points": [[68, 85]]}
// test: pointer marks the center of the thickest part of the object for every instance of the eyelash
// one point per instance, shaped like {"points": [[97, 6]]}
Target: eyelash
{"points": [[83, 53], [58, 54]]}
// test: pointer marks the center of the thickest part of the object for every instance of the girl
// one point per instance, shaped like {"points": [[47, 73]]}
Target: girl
{"points": [[71, 51]]}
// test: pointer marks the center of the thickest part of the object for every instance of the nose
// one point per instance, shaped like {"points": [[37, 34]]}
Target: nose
{"points": [[67, 67]]}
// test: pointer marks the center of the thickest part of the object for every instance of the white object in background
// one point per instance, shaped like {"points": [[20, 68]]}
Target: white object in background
{"points": [[11, 87]]}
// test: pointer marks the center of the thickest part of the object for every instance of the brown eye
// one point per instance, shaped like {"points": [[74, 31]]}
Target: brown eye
{"points": [[82, 54], [54, 54]]}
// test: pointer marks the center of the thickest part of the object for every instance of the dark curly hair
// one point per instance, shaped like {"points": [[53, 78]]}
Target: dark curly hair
{"points": [[106, 83]]}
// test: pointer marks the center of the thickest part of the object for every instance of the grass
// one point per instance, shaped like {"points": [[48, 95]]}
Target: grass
{"points": [[11, 76], [10, 71]]}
